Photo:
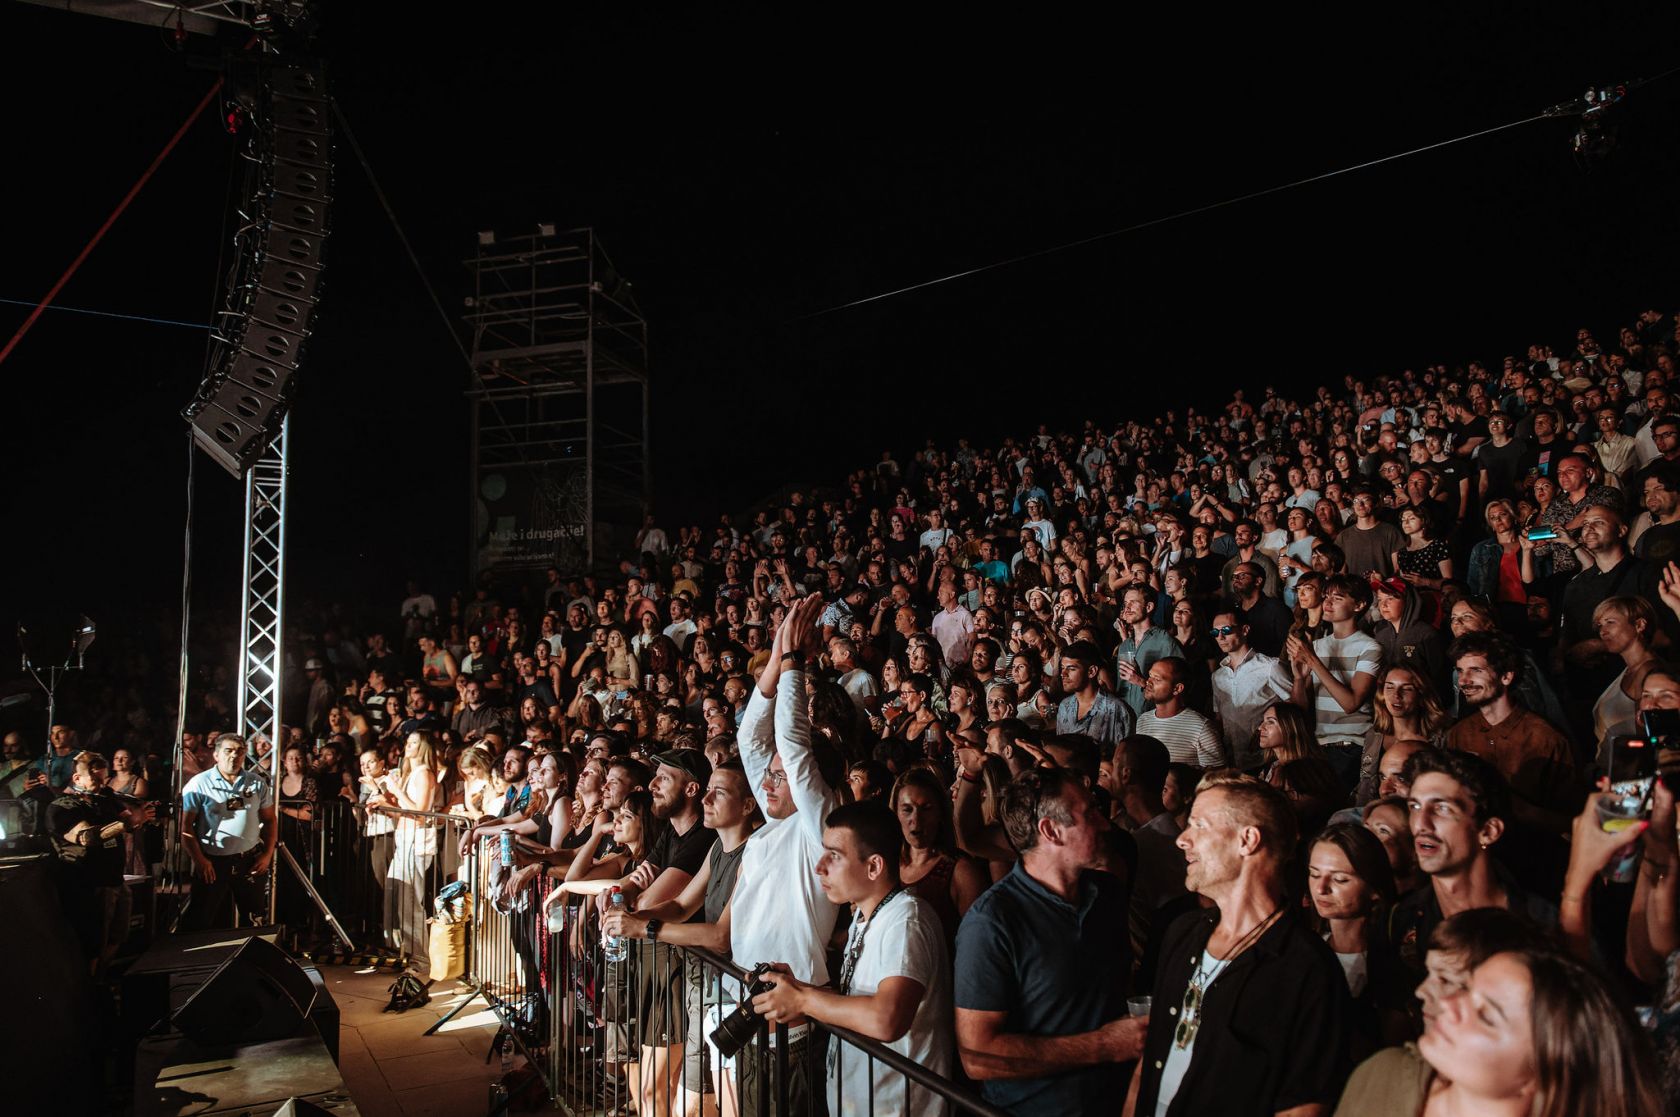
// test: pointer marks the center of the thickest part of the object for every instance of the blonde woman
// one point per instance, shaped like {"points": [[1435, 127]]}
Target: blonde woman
{"points": [[413, 787], [1626, 626], [624, 672], [1404, 707]]}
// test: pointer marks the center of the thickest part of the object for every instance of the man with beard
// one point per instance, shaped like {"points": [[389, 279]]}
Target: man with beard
{"points": [[1250, 1007], [1458, 811], [19, 772], [516, 763], [1530, 753], [696, 916], [676, 858]]}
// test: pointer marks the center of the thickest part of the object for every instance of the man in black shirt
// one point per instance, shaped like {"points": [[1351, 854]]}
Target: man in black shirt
{"points": [[1250, 1007], [383, 660], [475, 715], [534, 686], [676, 856], [87, 824]]}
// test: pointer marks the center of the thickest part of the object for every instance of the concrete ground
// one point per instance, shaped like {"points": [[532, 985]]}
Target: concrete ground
{"points": [[394, 1071]]}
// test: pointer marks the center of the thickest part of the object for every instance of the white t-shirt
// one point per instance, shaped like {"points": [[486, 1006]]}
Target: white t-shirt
{"points": [[778, 912], [860, 684], [903, 939], [1178, 1059], [936, 537]]}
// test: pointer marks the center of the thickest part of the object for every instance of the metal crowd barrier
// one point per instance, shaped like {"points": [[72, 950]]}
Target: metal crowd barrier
{"points": [[636, 1034]]}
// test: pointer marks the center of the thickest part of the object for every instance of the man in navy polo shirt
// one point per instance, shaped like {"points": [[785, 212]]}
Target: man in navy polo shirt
{"points": [[1043, 959]]}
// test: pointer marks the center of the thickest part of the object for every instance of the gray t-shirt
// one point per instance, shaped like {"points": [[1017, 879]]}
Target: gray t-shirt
{"points": [[1371, 548]]}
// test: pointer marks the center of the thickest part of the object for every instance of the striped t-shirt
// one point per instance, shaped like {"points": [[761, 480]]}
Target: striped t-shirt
{"points": [[1345, 656]]}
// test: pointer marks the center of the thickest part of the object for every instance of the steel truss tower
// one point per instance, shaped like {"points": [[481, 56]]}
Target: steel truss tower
{"points": [[261, 608], [559, 398]]}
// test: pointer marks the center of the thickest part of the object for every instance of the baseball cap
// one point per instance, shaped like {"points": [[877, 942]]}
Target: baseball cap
{"points": [[690, 762], [313, 664]]}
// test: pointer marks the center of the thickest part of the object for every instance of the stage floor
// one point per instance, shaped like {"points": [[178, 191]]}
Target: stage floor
{"points": [[394, 1071]]}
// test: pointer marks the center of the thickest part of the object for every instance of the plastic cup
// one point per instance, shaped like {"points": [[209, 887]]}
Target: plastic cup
{"points": [[1616, 814], [1139, 1006]]}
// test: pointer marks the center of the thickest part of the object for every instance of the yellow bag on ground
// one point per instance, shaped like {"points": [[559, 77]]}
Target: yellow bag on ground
{"points": [[448, 949]]}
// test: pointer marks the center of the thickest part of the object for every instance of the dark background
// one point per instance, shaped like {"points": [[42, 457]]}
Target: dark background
{"points": [[746, 171]]}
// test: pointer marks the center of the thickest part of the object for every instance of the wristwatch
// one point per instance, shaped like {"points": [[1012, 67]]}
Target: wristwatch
{"points": [[653, 926]]}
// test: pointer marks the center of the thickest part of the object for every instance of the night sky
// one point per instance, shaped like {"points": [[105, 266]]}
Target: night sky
{"points": [[744, 172]]}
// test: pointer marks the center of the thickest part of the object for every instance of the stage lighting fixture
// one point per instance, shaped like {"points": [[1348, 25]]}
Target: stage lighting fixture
{"points": [[486, 238]]}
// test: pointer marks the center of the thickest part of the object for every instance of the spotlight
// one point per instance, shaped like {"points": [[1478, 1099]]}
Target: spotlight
{"points": [[486, 238], [544, 230]]}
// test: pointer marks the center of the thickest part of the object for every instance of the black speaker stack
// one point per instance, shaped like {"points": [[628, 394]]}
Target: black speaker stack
{"points": [[270, 297]]}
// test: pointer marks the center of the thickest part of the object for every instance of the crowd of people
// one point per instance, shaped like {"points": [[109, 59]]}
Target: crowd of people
{"points": [[1249, 761]]}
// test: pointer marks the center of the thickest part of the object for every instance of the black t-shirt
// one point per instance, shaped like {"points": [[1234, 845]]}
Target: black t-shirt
{"points": [[99, 863], [390, 665], [1464, 432], [1505, 466], [1546, 455], [1660, 544], [686, 852], [538, 689]]}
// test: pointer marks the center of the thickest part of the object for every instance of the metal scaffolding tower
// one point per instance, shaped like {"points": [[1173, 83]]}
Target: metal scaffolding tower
{"points": [[261, 613], [559, 404]]}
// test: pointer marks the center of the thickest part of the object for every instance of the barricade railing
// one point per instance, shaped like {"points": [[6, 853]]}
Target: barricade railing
{"points": [[652, 1033]]}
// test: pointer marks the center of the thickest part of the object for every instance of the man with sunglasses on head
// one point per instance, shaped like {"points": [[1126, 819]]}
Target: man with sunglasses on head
{"points": [[228, 829], [1244, 684]]}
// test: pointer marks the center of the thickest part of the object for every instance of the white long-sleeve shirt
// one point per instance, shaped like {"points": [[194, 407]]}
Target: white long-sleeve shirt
{"points": [[778, 912]]}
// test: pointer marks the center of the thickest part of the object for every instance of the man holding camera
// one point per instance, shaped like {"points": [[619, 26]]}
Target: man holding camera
{"points": [[894, 983], [87, 824], [228, 829]]}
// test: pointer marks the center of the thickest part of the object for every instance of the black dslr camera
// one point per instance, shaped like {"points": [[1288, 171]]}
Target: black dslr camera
{"points": [[738, 1027]]}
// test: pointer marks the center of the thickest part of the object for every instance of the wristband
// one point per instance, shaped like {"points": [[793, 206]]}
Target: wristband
{"points": [[967, 778], [653, 930]]}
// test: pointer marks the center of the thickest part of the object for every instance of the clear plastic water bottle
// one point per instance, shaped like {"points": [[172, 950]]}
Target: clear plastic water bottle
{"points": [[507, 848], [616, 948]]}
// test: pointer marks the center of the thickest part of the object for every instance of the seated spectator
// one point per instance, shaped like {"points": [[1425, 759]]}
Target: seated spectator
{"points": [[1190, 738], [1403, 708], [1245, 683], [1335, 675], [1350, 883], [1626, 626], [1535, 1031], [1458, 812], [1408, 639], [1089, 707], [1531, 754], [1285, 734]]}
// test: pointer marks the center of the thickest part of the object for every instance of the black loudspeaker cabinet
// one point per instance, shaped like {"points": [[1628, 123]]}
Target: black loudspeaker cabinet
{"points": [[258, 994]]}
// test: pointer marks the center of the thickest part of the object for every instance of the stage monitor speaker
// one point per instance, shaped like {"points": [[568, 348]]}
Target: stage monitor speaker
{"points": [[258, 994]]}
